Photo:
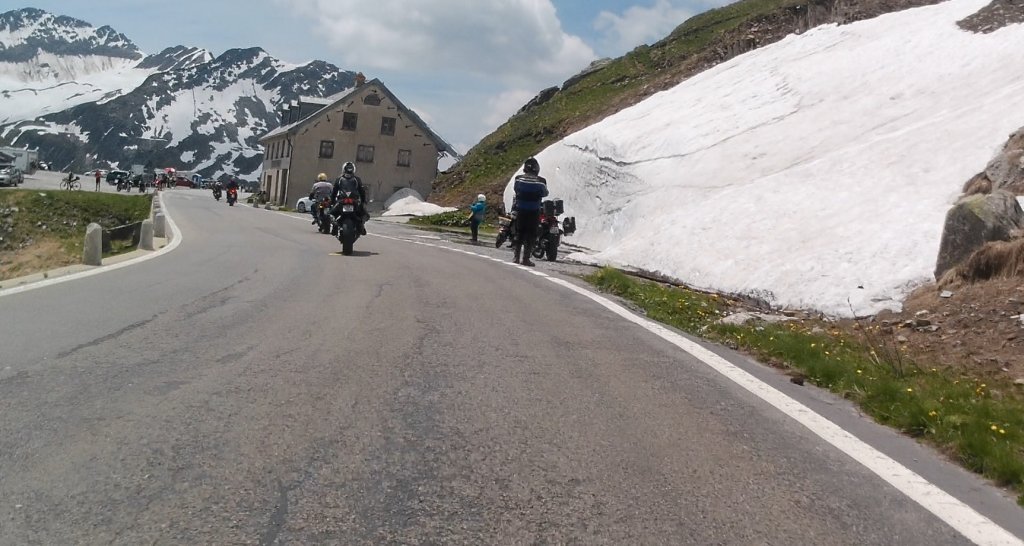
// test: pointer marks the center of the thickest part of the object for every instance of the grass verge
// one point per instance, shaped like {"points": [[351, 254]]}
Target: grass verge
{"points": [[452, 221], [980, 425], [41, 230]]}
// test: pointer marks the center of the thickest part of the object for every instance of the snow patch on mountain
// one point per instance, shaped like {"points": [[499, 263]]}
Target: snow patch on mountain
{"points": [[815, 172]]}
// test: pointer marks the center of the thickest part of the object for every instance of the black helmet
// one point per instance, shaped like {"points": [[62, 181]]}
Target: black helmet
{"points": [[348, 168], [530, 166]]}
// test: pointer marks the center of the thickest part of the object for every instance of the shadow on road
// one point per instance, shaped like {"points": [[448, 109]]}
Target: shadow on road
{"points": [[355, 254]]}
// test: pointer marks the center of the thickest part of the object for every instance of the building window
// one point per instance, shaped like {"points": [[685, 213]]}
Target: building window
{"points": [[371, 100], [326, 149], [404, 158], [349, 121], [387, 126], [364, 154]]}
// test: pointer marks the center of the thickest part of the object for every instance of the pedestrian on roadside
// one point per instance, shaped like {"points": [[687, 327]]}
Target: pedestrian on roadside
{"points": [[98, 176], [476, 217]]}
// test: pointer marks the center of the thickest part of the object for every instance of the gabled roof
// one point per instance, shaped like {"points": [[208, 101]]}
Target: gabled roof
{"points": [[338, 98]]}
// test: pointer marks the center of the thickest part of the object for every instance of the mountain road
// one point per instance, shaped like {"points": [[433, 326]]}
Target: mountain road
{"points": [[254, 386]]}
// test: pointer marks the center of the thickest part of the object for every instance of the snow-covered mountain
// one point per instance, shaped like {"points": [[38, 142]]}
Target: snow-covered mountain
{"points": [[86, 95], [813, 172], [50, 62]]}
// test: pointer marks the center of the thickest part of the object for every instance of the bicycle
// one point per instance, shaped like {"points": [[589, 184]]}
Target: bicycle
{"points": [[69, 185]]}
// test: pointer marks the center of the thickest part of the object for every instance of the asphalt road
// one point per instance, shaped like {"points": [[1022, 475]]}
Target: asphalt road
{"points": [[255, 387]]}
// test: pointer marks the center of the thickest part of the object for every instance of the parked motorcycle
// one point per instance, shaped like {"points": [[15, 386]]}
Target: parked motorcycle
{"points": [[550, 232], [348, 219], [232, 196], [506, 229]]}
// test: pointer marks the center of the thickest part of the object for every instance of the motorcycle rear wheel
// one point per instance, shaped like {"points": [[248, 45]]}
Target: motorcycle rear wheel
{"points": [[348, 236]]}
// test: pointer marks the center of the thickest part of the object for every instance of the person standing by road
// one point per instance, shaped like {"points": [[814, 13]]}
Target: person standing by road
{"points": [[98, 176], [478, 209], [530, 190]]}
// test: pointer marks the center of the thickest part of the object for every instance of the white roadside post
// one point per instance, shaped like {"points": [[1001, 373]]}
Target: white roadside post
{"points": [[159, 225], [92, 254], [146, 235]]}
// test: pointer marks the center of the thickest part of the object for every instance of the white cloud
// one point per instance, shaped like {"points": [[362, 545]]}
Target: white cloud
{"points": [[518, 41], [503, 105], [639, 25]]}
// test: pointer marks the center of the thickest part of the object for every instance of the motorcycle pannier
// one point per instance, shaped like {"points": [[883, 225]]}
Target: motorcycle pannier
{"points": [[548, 207], [559, 207]]}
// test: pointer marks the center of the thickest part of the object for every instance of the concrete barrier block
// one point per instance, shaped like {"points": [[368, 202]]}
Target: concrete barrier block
{"points": [[159, 225], [92, 254], [146, 237]]}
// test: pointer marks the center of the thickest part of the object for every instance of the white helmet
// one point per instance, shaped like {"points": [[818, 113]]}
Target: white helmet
{"points": [[481, 197]]}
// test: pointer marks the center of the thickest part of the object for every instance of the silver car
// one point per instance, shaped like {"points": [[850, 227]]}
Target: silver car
{"points": [[11, 176]]}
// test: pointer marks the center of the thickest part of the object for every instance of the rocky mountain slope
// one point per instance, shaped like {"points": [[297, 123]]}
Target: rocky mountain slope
{"points": [[87, 97]]}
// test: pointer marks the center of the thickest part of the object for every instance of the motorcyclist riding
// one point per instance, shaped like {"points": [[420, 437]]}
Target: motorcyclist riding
{"points": [[321, 189], [530, 190], [217, 189], [348, 176]]}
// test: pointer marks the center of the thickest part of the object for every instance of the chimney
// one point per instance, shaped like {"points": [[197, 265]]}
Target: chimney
{"points": [[360, 79]]}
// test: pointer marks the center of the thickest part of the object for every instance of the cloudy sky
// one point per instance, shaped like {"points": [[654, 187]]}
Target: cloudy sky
{"points": [[463, 65]]}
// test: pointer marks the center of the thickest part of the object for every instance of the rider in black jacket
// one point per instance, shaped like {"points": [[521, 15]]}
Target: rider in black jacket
{"points": [[348, 176], [531, 189]]}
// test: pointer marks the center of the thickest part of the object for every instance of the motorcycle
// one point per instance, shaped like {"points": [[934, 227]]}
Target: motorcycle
{"points": [[550, 232], [123, 184], [506, 229], [232, 196], [348, 219], [323, 215], [216, 194]]}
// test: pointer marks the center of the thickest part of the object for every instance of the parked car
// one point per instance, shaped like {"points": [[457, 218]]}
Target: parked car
{"points": [[114, 176], [304, 205], [11, 176]]}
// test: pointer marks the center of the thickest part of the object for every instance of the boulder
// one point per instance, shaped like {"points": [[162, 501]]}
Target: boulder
{"points": [[974, 221], [1004, 172]]}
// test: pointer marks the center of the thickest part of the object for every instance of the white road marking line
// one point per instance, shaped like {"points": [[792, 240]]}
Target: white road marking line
{"points": [[968, 522], [175, 241]]}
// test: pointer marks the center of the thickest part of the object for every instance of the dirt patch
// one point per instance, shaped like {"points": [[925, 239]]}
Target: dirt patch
{"points": [[998, 14], [976, 331], [40, 256]]}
